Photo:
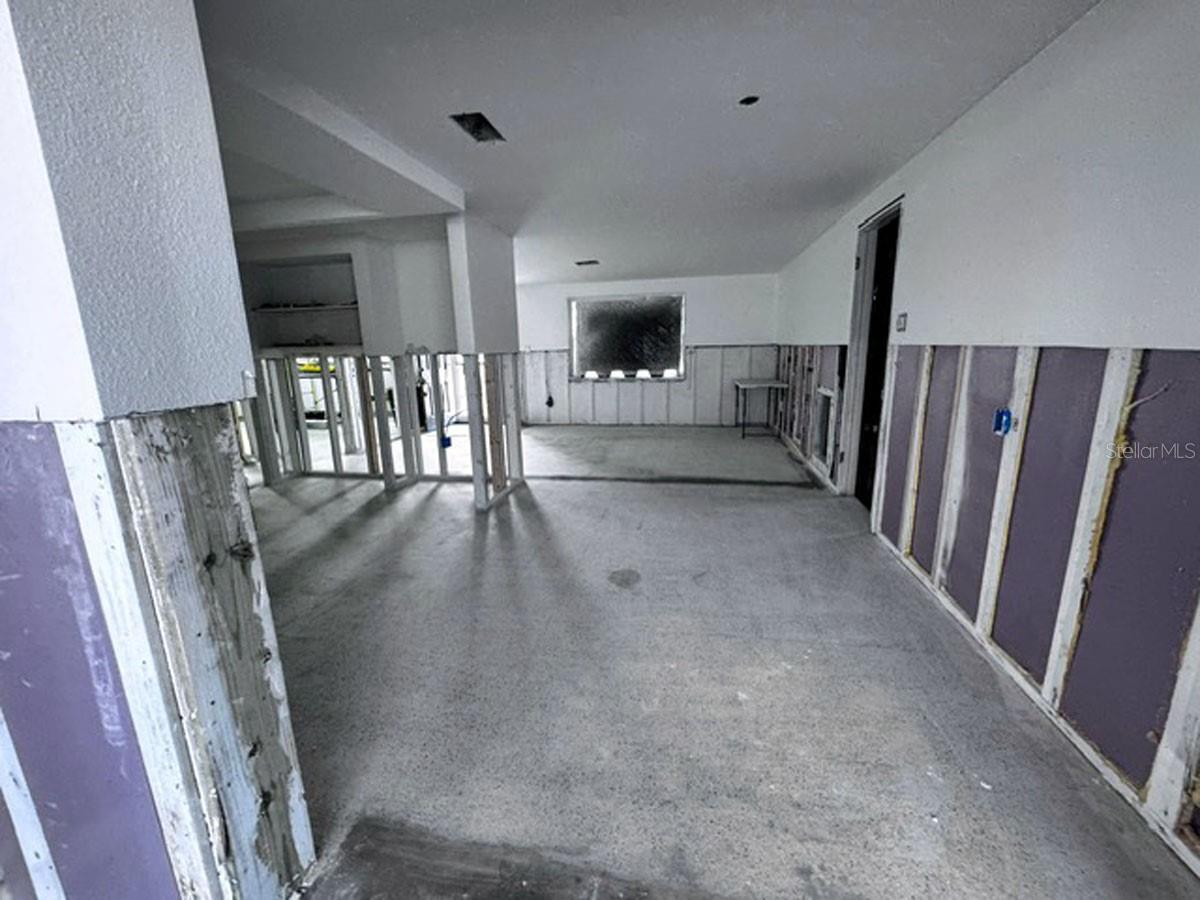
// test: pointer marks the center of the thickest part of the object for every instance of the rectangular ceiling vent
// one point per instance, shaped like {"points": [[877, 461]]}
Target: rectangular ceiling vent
{"points": [[476, 124]]}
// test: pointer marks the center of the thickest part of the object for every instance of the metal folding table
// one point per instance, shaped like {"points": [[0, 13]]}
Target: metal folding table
{"points": [[741, 399]]}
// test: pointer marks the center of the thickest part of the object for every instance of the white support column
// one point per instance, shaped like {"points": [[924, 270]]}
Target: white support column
{"points": [[512, 417], [383, 425], [331, 414], [475, 426], [439, 414], [1024, 376], [1120, 377]]}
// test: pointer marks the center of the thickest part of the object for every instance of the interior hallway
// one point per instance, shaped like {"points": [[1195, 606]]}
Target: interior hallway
{"points": [[728, 688]]}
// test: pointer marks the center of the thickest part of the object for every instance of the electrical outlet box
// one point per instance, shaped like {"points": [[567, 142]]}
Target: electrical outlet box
{"points": [[902, 322]]}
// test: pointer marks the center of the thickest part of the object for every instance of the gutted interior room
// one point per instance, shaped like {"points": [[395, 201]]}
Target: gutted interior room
{"points": [[571, 450]]}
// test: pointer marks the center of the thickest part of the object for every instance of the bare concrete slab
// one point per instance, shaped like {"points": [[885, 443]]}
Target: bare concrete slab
{"points": [[647, 452], [727, 689]]}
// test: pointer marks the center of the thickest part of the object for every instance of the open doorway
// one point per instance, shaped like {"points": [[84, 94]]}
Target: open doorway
{"points": [[867, 368]]}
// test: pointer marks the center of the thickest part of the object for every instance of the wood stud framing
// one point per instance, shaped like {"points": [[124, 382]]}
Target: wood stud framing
{"points": [[1163, 800]]}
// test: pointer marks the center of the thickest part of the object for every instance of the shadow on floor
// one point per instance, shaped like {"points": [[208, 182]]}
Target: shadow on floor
{"points": [[384, 859]]}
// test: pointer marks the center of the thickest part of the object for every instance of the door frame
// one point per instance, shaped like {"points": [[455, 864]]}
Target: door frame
{"points": [[856, 351]]}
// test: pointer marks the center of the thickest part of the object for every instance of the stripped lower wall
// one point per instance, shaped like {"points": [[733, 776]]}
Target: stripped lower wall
{"points": [[145, 742], [704, 396], [1068, 547], [810, 414]]}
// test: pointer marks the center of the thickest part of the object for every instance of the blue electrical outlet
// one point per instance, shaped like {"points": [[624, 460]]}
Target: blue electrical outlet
{"points": [[1002, 421]]}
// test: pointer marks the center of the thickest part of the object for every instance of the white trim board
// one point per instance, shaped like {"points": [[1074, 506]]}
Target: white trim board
{"points": [[1112, 409], [145, 678], [22, 810]]}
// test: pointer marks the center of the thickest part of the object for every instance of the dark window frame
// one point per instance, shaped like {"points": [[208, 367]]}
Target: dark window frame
{"points": [[576, 372]]}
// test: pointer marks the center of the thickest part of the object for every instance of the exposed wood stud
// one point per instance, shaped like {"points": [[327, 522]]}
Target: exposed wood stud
{"points": [[955, 471], [479, 470], [383, 425], [190, 518], [495, 422], [914, 456], [885, 436], [331, 413], [1024, 377], [439, 413], [512, 418], [264, 427], [22, 811], [1120, 378], [292, 365], [406, 415], [1178, 757], [346, 402], [284, 424], [370, 443]]}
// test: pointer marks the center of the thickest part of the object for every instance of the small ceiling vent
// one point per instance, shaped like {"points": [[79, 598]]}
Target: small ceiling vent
{"points": [[476, 124], [587, 262]]}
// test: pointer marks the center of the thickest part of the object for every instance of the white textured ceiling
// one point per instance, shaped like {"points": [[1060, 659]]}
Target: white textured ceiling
{"points": [[624, 138]]}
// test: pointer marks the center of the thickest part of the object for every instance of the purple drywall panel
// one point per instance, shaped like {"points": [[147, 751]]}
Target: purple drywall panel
{"points": [[60, 689], [1058, 438], [988, 388], [939, 410], [14, 877], [827, 374], [1142, 599], [907, 377]]}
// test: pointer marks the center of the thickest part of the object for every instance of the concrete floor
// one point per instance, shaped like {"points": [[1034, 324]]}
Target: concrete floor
{"points": [[733, 689], [640, 452], [633, 452]]}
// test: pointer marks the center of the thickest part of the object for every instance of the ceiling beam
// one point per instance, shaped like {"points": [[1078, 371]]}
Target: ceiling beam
{"points": [[290, 127], [298, 212]]}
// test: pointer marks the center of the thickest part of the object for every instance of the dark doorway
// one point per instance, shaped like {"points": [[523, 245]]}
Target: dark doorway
{"points": [[882, 275]]}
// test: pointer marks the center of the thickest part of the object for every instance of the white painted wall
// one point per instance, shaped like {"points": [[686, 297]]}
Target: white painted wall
{"points": [[127, 134], [705, 396], [731, 309], [483, 284], [403, 286], [1061, 209], [47, 368], [423, 275]]}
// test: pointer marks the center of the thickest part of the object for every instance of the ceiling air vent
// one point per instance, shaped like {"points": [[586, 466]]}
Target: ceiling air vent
{"points": [[587, 262], [476, 124]]}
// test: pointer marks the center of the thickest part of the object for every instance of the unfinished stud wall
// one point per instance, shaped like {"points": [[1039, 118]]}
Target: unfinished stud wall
{"points": [[66, 718], [704, 396], [814, 376], [1070, 546]]}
